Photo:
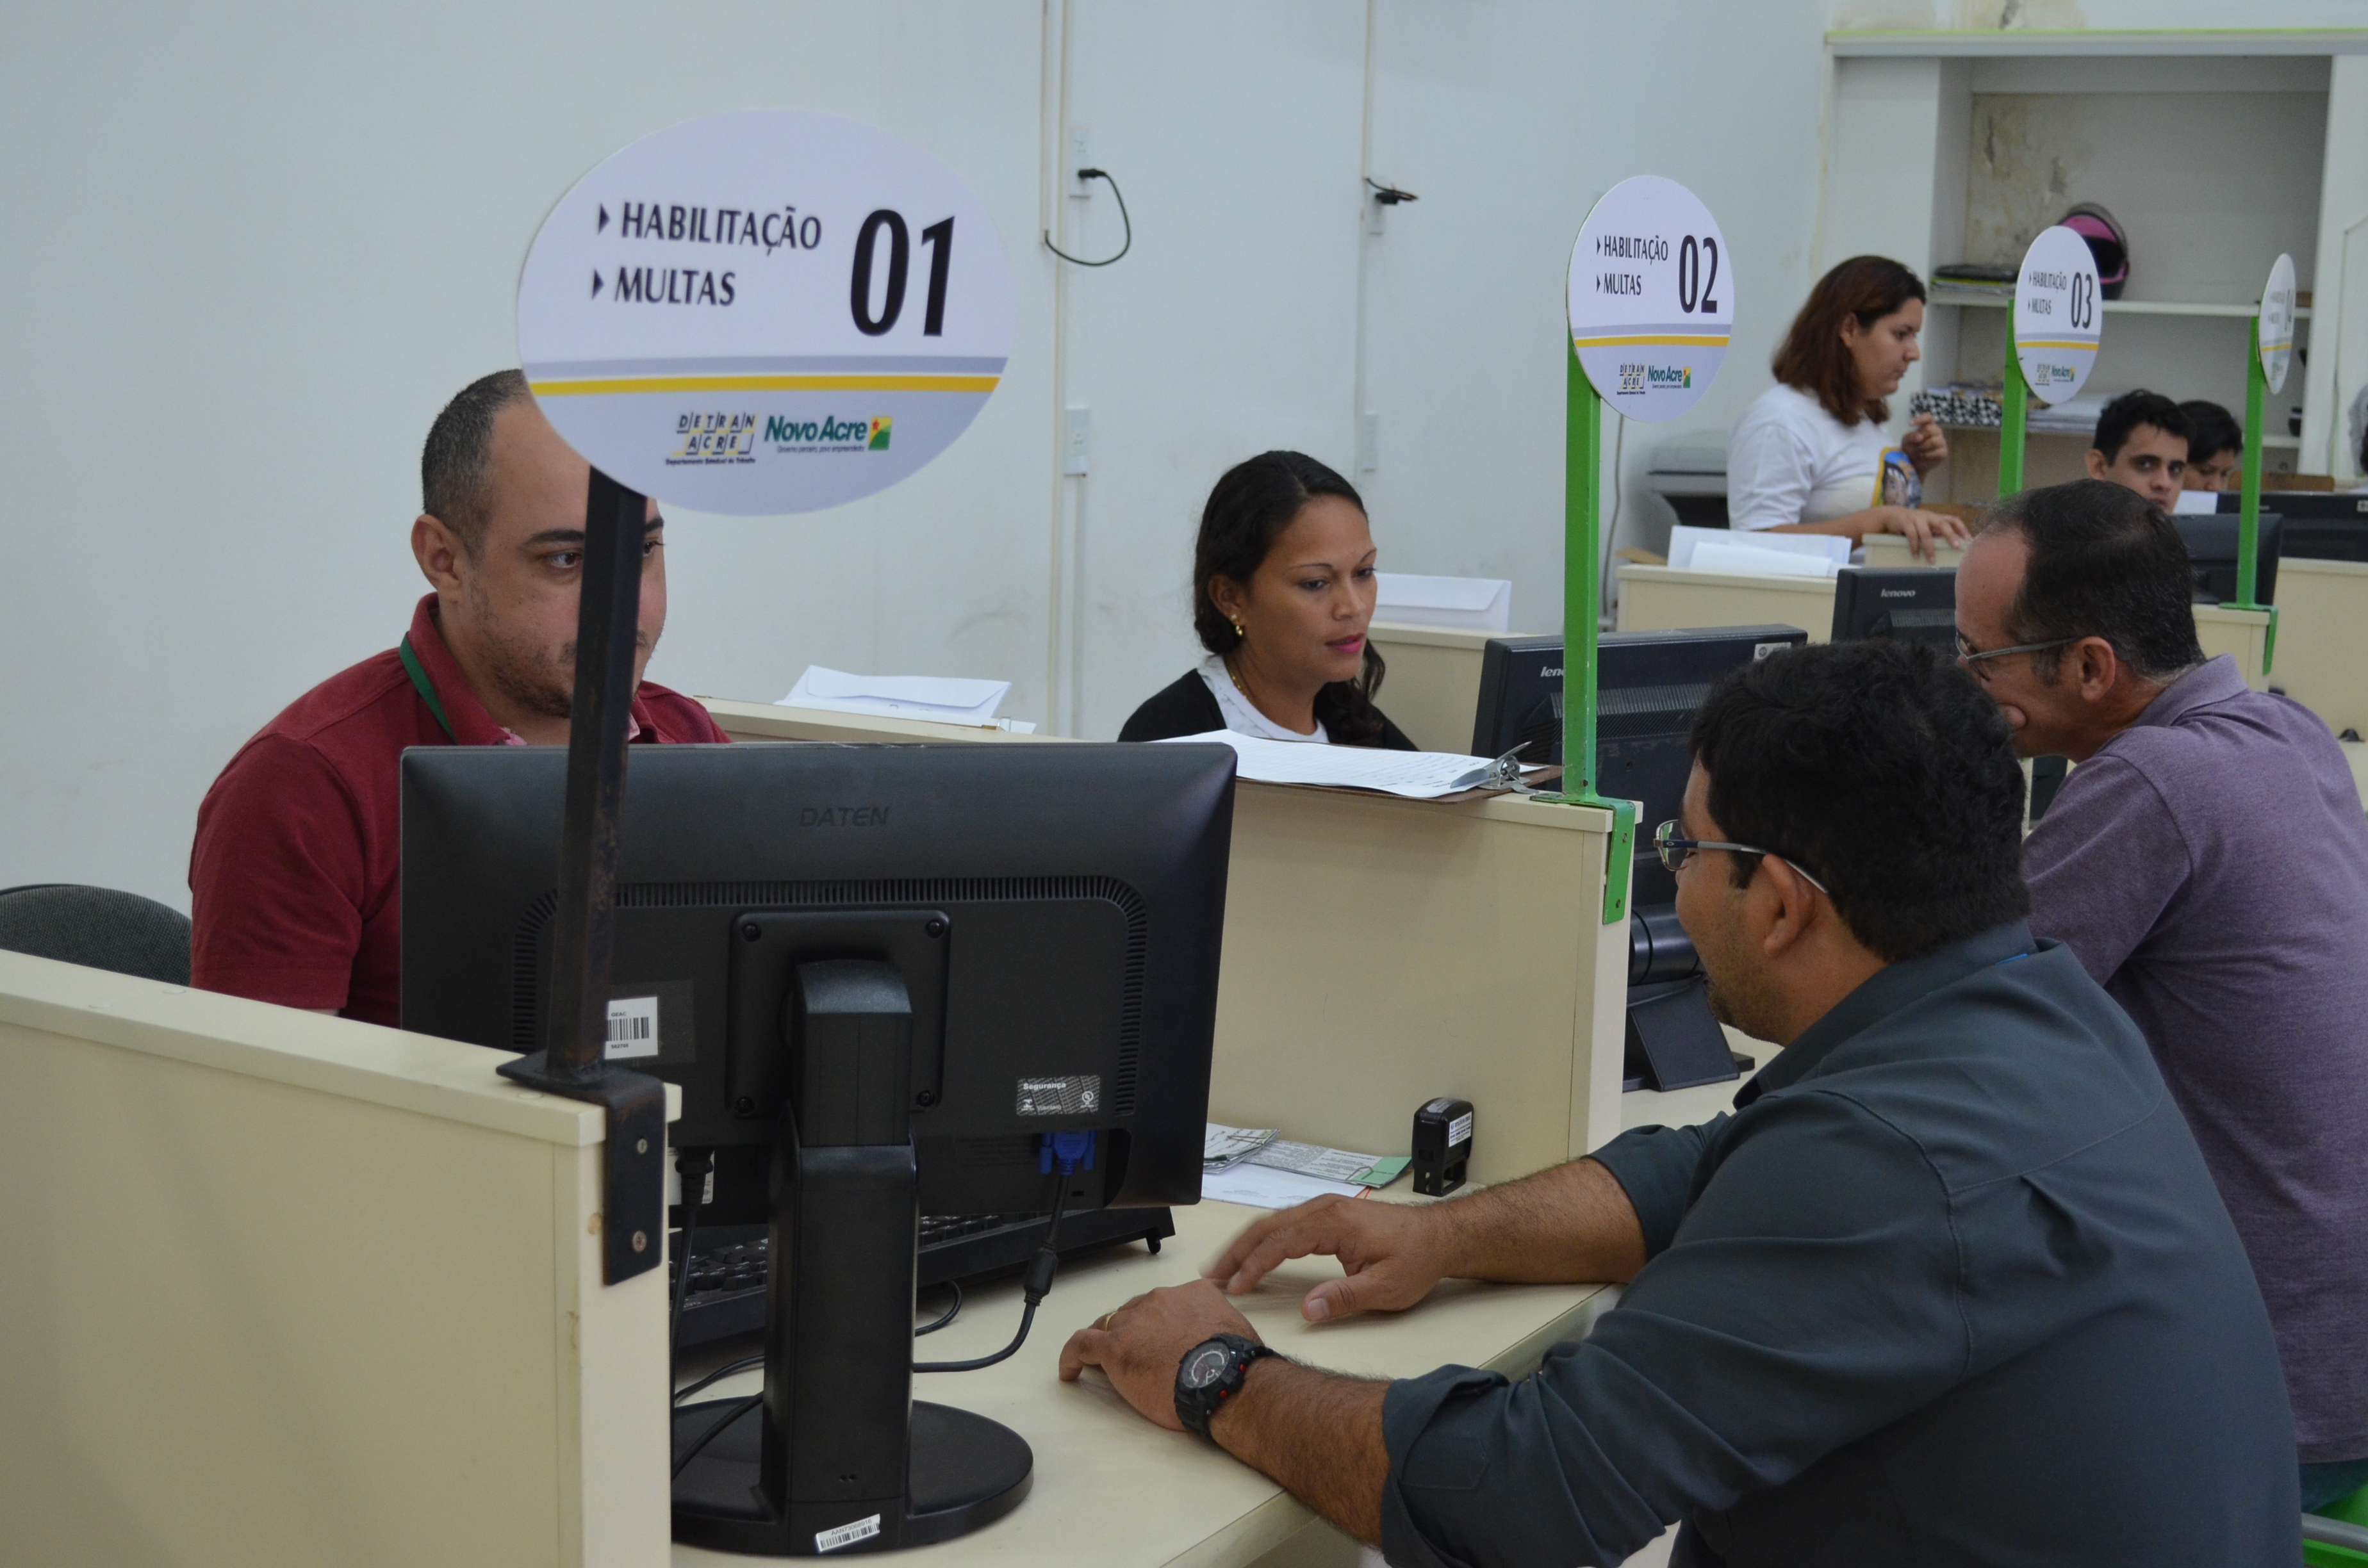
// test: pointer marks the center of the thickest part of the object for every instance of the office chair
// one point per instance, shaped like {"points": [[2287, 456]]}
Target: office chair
{"points": [[98, 928]]}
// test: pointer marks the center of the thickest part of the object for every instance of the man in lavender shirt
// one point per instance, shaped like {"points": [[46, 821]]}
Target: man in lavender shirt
{"points": [[2207, 862]]}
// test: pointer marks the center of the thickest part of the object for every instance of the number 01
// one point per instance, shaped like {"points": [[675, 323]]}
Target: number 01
{"points": [[939, 237]]}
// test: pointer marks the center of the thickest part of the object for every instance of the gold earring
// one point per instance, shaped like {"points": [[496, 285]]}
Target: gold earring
{"points": [[1240, 635]]}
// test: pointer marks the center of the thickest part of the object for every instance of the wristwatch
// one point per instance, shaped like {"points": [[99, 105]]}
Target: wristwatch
{"points": [[1210, 1374]]}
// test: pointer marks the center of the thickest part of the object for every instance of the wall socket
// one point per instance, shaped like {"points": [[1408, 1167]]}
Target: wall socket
{"points": [[1369, 441], [1077, 448], [1080, 157]]}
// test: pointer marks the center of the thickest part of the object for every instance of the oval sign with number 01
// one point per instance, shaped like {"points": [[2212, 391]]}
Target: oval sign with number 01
{"points": [[1651, 298], [766, 311], [2278, 323], [2058, 314]]}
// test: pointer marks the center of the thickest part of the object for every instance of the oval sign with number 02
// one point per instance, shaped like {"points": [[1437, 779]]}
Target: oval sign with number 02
{"points": [[2058, 314], [1652, 297], [766, 311], [2278, 323]]}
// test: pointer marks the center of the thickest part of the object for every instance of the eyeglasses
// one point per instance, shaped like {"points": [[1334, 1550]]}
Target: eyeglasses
{"points": [[1675, 852], [1971, 657]]}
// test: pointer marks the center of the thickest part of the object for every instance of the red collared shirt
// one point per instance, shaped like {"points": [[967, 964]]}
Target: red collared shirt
{"points": [[292, 879]]}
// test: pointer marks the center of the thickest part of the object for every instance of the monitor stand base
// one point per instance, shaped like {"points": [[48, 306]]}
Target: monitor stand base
{"points": [[967, 1471]]}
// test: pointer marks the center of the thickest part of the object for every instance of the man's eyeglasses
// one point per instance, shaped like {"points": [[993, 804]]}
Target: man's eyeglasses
{"points": [[1675, 852], [1972, 657]]}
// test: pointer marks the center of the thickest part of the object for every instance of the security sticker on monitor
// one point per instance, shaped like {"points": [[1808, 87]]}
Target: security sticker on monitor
{"points": [[846, 1535], [1651, 298], [1080, 1093], [2059, 322], [766, 311]]}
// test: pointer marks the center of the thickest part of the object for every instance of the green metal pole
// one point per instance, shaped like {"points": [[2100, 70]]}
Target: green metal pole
{"points": [[2249, 520], [2016, 413], [2249, 527], [1582, 584]]}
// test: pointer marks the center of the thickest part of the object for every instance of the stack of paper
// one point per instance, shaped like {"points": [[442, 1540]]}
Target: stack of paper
{"points": [[1225, 1147], [1783, 555], [1474, 603], [942, 699], [1416, 775], [1265, 1172]]}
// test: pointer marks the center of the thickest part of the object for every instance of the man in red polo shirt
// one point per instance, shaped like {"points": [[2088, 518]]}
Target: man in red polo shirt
{"points": [[293, 875]]}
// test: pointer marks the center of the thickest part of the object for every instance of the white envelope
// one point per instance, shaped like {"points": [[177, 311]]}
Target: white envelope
{"points": [[1474, 603], [946, 699], [2201, 501]]}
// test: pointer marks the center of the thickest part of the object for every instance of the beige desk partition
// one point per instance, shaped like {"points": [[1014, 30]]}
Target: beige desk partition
{"points": [[1664, 599], [2322, 658], [2243, 632], [1889, 553], [1431, 689], [285, 1289], [1380, 952], [771, 722]]}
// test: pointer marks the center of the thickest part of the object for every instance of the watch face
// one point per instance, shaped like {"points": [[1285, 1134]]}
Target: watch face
{"points": [[1207, 1366]]}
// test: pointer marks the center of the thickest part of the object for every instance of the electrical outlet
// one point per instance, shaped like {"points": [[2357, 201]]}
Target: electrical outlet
{"points": [[1076, 425], [1080, 157], [1369, 441]]}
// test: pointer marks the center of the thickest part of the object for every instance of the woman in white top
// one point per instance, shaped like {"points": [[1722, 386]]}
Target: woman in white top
{"points": [[1809, 455]]}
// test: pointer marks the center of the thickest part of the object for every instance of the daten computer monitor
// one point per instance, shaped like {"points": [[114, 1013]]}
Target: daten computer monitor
{"points": [[1906, 604], [965, 978], [2211, 551]]}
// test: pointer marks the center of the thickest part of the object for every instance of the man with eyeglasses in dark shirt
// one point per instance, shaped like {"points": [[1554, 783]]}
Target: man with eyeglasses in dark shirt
{"points": [[1950, 1286], [2207, 863]]}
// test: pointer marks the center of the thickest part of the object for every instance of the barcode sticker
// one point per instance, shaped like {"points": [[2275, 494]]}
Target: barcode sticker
{"points": [[846, 1535], [632, 1028]]}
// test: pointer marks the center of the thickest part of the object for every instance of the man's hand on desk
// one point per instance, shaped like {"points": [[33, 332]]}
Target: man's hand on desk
{"points": [[1391, 1254], [1567, 1225], [1317, 1433], [1139, 1347]]}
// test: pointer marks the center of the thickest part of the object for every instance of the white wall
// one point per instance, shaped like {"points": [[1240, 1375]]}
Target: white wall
{"points": [[253, 248]]}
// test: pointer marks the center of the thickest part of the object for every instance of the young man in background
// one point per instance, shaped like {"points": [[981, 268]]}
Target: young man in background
{"points": [[2141, 445]]}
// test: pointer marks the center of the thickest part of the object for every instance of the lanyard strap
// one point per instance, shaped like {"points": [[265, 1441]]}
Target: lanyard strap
{"points": [[425, 688]]}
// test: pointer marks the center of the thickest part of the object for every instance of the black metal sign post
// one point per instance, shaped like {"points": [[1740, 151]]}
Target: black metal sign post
{"points": [[574, 1062]]}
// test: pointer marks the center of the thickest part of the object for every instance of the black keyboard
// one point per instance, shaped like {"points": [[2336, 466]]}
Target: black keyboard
{"points": [[728, 1263]]}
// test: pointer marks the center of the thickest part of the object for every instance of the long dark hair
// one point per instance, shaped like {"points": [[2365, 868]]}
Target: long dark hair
{"points": [[1249, 508], [1813, 358]]}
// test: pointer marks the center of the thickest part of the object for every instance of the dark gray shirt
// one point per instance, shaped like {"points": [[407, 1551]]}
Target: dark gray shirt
{"points": [[2209, 868], [1952, 1285]]}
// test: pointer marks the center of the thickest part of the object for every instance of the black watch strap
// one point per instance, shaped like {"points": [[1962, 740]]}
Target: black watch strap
{"points": [[1210, 1374]]}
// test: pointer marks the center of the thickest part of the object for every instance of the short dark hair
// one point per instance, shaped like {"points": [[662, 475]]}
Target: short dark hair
{"points": [[1813, 359], [452, 464], [2105, 563], [2211, 430], [1884, 770], [2126, 412], [1248, 508]]}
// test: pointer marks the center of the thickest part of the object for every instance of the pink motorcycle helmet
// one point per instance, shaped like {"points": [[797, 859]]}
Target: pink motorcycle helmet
{"points": [[2106, 243]]}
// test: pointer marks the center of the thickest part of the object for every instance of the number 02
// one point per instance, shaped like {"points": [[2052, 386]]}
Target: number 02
{"points": [[1693, 285]]}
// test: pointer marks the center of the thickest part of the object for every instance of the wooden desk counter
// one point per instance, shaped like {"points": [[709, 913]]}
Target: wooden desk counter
{"points": [[1431, 688], [2322, 658], [1110, 1488]]}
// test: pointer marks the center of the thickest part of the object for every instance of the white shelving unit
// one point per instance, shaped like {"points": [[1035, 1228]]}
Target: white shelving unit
{"points": [[2214, 155]]}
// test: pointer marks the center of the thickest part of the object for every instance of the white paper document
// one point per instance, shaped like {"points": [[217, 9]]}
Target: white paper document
{"points": [[1224, 1147], [1263, 1186], [944, 699], [1416, 775], [1331, 1164], [1785, 555], [1475, 604]]}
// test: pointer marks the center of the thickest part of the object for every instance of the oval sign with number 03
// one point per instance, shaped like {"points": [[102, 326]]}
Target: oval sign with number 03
{"points": [[1651, 298], [2278, 323], [763, 311], [2058, 314]]}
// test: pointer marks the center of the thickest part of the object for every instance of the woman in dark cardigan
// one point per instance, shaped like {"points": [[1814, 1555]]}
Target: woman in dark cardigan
{"points": [[1282, 591]]}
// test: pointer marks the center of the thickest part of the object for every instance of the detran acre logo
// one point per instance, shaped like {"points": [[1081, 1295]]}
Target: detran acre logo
{"points": [[723, 436]]}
